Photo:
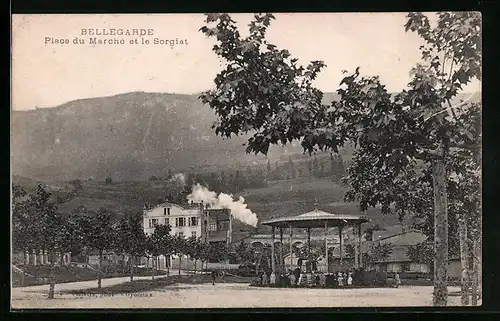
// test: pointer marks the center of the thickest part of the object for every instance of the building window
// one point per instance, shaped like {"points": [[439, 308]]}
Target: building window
{"points": [[166, 211], [180, 221], [212, 227], [405, 267], [193, 234], [193, 221], [153, 222]]}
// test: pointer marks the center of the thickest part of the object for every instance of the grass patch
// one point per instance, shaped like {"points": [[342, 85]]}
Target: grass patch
{"points": [[137, 286], [65, 274]]}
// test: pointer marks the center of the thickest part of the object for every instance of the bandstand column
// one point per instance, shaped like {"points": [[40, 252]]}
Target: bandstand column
{"points": [[326, 246], [282, 263], [360, 251], [356, 250], [308, 247], [341, 247], [273, 264], [291, 246]]}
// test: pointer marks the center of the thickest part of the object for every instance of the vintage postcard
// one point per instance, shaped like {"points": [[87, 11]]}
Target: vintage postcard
{"points": [[258, 160]]}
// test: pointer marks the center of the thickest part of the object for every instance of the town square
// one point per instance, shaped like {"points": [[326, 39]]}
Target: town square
{"points": [[267, 160]]}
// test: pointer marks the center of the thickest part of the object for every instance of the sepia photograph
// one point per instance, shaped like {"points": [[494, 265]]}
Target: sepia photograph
{"points": [[246, 160]]}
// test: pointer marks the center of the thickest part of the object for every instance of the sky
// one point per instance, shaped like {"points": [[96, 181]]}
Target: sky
{"points": [[47, 74]]}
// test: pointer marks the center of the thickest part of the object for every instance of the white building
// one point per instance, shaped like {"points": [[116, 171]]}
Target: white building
{"points": [[212, 225], [183, 220]]}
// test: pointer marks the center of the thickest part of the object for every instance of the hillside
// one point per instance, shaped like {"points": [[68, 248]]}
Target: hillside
{"points": [[279, 198], [130, 136]]}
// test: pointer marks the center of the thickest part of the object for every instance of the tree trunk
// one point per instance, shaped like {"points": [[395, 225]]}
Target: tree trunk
{"points": [[23, 275], [440, 296], [131, 269], [167, 263], [99, 277], [61, 258], [464, 253], [52, 278], [153, 267], [180, 259], [475, 268], [123, 264]]}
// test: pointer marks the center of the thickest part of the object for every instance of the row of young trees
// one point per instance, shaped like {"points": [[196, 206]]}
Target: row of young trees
{"points": [[416, 153], [227, 181], [38, 226], [318, 166]]}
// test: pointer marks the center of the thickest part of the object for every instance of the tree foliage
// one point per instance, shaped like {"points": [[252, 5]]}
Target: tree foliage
{"points": [[244, 253], [262, 89], [396, 135]]}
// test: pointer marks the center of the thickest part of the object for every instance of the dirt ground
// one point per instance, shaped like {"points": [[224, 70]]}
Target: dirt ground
{"points": [[228, 295]]}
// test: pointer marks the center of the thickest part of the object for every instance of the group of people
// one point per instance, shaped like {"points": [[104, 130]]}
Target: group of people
{"points": [[298, 277]]}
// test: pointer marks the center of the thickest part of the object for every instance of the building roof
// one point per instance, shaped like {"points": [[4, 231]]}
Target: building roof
{"points": [[170, 204], [405, 239], [400, 243], [317, 219]]}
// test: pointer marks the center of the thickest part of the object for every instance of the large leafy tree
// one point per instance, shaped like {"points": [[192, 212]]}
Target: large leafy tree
{"points": [[100, 237], [180, 248], [69, 236], [152, 250], [193, 249], [46, 227], [421, 253], [135, 245], [244, 253], [120, 243], [262, 91], [165, 242], [23, 229]]}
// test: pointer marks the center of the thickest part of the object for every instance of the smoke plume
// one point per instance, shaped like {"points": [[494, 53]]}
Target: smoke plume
{"points": [[238, 208]]}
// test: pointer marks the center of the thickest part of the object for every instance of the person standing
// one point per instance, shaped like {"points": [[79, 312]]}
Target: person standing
{"points": [[293, 281], [340, 280], [397, 280], [264, 279], [297, 273], [302, 279], [272, 279], [214, 276], [322, 280]]}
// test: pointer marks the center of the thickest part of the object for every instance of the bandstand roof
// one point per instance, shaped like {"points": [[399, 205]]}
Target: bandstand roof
{"points": [[317, 219]]}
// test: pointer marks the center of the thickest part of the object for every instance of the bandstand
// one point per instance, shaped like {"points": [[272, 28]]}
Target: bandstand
{"points": [[316, 219]]}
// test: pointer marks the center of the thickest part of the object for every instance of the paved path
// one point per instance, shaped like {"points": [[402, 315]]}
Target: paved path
{"points": [[20, 292], [238, 296]]}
